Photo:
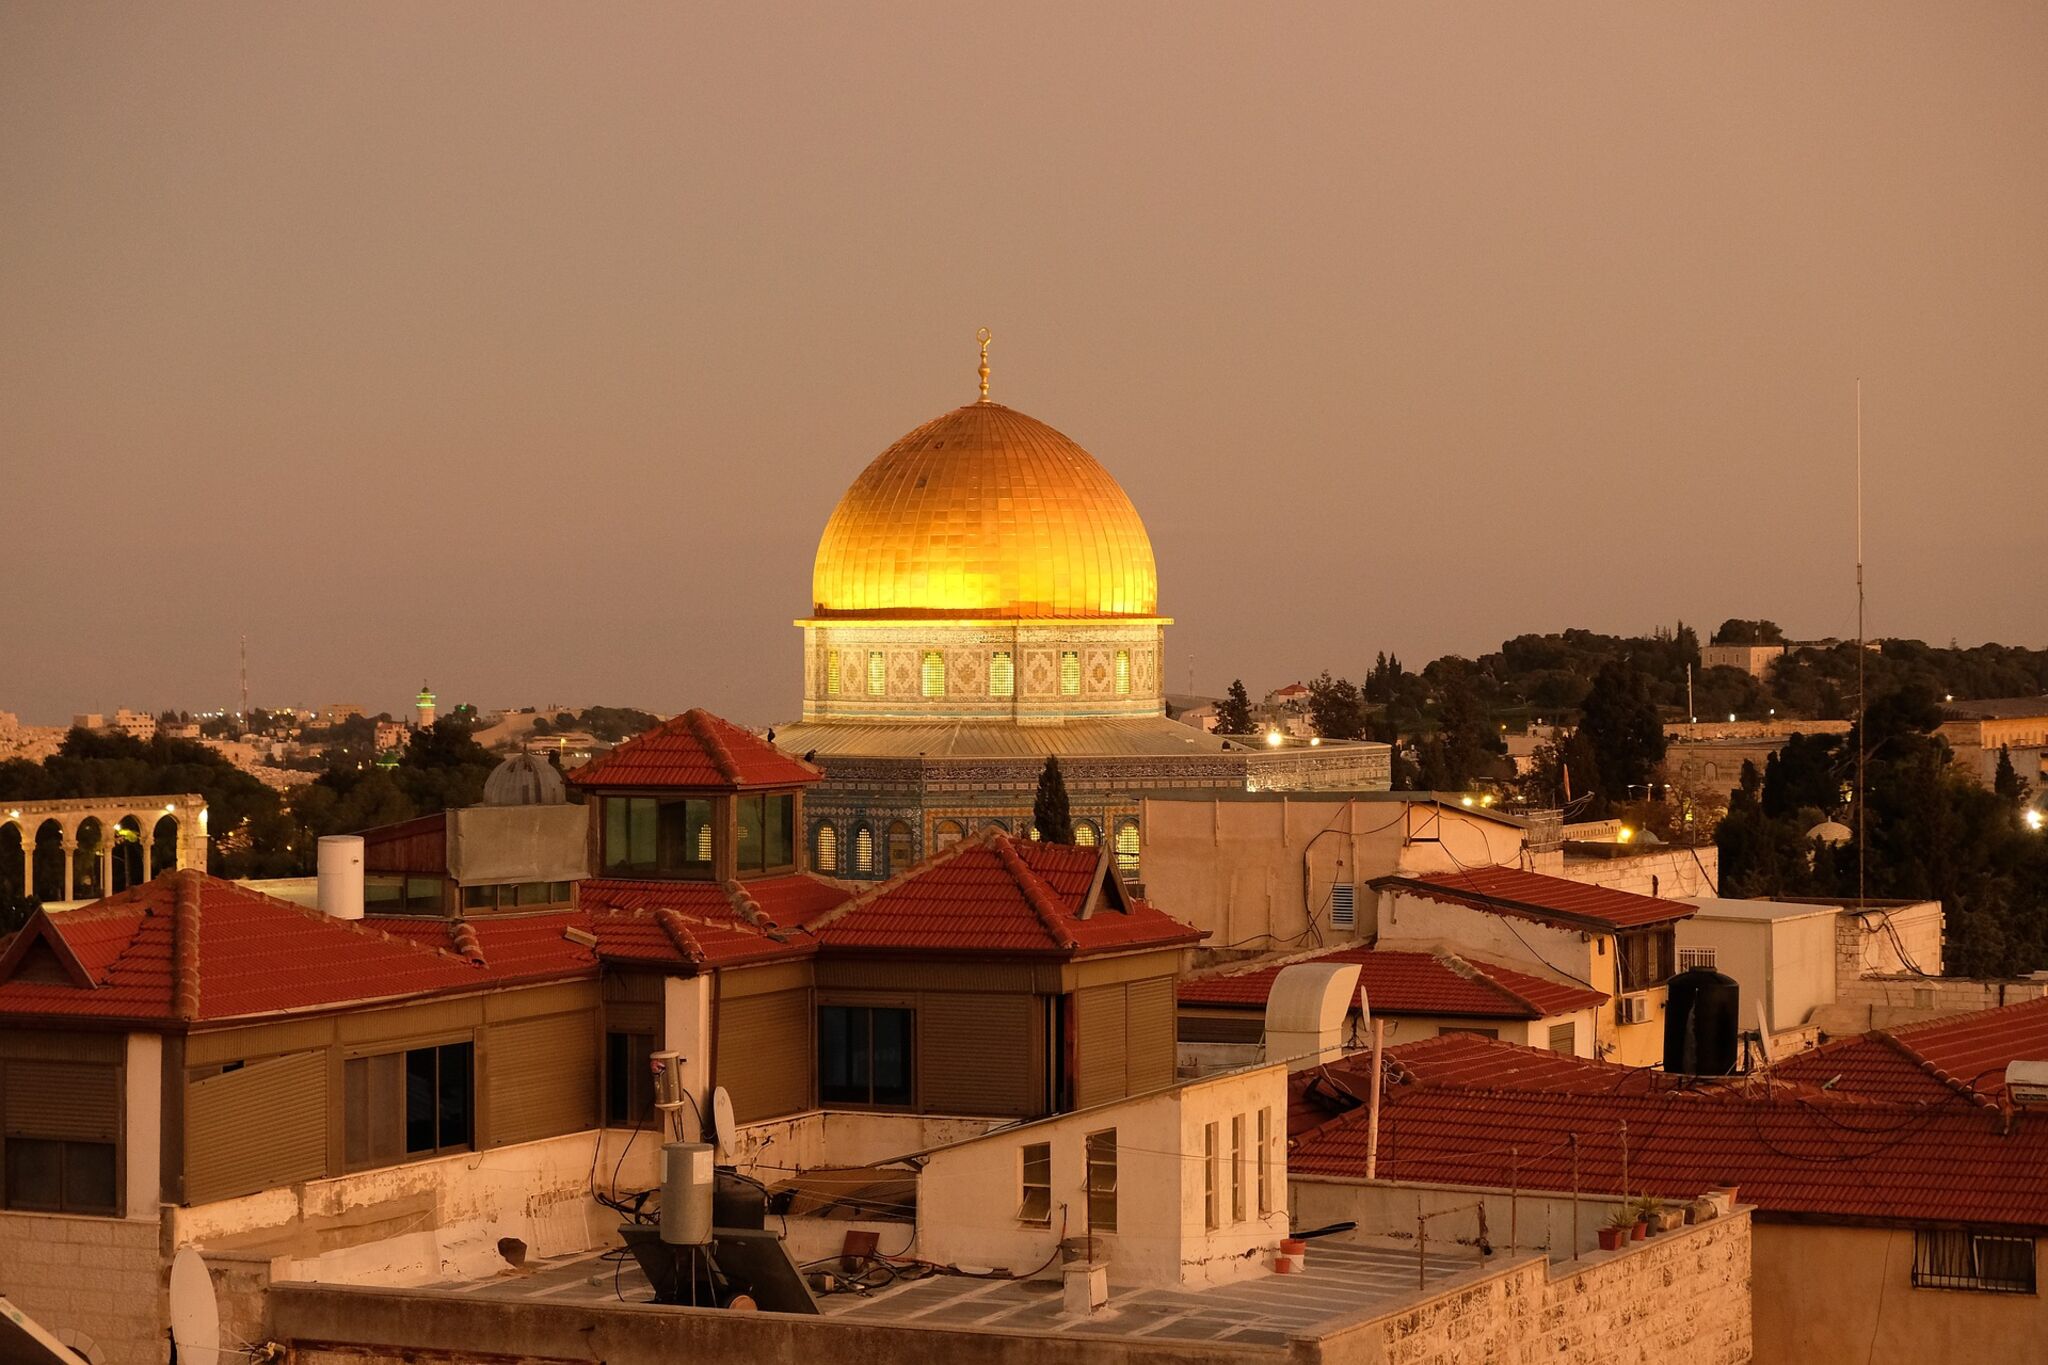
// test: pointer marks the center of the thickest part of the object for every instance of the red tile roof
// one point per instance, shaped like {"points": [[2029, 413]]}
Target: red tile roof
{"points": [[1468, 1110], [192, 948], [695, 750], [1408, 983], [1532, 895], [1000, 894], [706, 923]]}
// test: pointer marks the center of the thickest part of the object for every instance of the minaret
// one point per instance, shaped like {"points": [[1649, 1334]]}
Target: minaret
{"points": [[424, 707]]}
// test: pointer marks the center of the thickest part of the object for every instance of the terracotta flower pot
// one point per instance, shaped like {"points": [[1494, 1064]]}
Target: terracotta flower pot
{"points": [[1640, 1231], [1611, 1238]]}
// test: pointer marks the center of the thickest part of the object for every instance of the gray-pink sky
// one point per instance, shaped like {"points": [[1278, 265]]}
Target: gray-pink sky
{"points": [[525, 348]]}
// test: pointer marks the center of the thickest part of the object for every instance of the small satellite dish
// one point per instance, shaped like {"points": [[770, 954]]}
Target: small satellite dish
{"points": [[195, 1316], [725, 1132]]}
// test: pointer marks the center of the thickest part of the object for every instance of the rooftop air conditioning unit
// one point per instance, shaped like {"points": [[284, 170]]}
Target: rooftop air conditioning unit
{"points": [[1635, 1009], [2026, 1083]]}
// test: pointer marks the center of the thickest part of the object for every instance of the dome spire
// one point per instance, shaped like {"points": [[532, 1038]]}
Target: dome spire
{"points": [[984, 336]]}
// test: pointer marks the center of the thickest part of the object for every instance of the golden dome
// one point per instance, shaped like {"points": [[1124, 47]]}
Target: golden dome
{"points": [[985, 512]]}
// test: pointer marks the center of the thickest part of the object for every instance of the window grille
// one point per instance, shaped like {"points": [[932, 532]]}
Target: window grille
{"points": [[1689, 958], [934, 673], [947, 833], [1002, 675], [864, 851], [1085, 834], [1127, 849], [831, 672], [1957, 1258], [1123, 673], [1070, 673], [828, 849], [1343, 906], [877, 676]]}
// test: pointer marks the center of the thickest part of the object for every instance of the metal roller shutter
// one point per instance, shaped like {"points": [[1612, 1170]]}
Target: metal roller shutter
{"points": [[76, 1100], [256, 1127], [541, 1077], [976, 1054], [1149, 1063], [764, 1053], [1101, 1024]]}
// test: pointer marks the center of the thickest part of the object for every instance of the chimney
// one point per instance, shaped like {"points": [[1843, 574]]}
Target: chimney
{"points": [[1305, 1012], [341, 876]]}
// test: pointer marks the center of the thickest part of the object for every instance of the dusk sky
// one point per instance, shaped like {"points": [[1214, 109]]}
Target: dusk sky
{"points": [[526, 348]]}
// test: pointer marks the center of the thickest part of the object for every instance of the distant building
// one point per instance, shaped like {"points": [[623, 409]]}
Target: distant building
{"points": [[1977, 730], [1755, 660], [423, 708], [335, 712]]}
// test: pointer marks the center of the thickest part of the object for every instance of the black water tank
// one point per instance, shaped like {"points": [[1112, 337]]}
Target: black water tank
{"points": [[1702, 1018]]}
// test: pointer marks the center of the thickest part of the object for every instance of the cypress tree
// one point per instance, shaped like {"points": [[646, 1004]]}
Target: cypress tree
{"points": [[1049, 813]]}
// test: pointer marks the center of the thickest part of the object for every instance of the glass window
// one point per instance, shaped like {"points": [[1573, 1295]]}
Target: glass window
{"points": [[947, 833], [900, 847], [384, 895], [52, 1175], [1264, 1158], [864, 1055], [1212, 1158], [1035, 1204], [628, 1079], [1101, 1156], [657, 837], [479, 897], [864, 851], [1958, 1258], [562, 893], [1123, 673], [1237, 1168], [419, 1102], [825, 848], [423, 895], [1070, 673], [1085, 833], [1127, 849], [765, 839], [1002, 675], [933, 674], [876, 675], [831, 672]]}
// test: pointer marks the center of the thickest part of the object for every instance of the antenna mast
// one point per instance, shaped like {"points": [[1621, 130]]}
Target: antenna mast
{"points": [[245, 680], [1862, 695]]}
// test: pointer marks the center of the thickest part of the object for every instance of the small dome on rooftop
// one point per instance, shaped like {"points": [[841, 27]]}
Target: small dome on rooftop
{"points": [[1830, 832], [525, 780]]}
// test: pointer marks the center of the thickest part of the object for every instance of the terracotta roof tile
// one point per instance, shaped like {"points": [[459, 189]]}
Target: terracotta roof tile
{"points": [[1468, 1110], [1532, 895], [1408, 983], [249, 954], [695, 750], [1000, 894]]}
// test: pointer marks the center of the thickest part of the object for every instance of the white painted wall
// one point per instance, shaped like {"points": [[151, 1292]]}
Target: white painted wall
{"points": [[968, 1194], [432, 1220]]}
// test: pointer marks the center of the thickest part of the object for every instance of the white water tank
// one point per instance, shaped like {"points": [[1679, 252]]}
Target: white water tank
{"points": [[341, 876], [686, 1181]]}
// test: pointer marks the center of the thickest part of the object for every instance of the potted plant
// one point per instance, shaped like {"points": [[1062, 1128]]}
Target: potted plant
{"points": [[1649, 1214], [1617, 1229]]}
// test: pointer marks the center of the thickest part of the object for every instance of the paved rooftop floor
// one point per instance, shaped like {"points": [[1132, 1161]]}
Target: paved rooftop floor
{"points": [[1341, 1279]]}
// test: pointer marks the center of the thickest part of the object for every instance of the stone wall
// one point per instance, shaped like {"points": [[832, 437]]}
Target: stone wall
{"points": [[1678, 1299], [1877, 1002], [97, 1283]]}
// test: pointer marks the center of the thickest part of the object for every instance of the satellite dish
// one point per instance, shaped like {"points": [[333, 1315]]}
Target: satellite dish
{"points": [[195, 1316], [725, 1131]]}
